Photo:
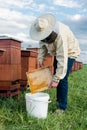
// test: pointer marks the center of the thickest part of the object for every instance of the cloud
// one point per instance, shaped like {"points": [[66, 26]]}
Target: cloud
{"points": [[14, 15], [15, 3], [14, 22], [10, 23], [22, 36], [75, 17], [78, 23], [24, 4], [30, 43], [67, 3], [38, 7], [82, 57]]}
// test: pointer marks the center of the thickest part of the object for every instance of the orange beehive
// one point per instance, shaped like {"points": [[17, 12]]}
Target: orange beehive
{"points": [[28, 63], [49, 62], [76, 66], [10, 62]]}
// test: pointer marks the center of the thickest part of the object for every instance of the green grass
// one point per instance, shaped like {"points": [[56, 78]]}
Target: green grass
{"points": [[13, 114]]}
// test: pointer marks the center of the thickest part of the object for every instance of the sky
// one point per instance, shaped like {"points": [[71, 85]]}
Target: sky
{"points": [[16, 17]]}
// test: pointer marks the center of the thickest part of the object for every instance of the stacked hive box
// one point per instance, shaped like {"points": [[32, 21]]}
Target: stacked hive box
{"points": [[76, 66], [10, 66], [49, 62], [28, 63]]}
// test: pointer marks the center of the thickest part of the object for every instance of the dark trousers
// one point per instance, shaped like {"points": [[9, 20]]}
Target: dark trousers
{"points": [[62, 88]]}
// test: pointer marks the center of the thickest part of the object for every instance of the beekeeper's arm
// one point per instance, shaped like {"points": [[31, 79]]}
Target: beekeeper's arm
{"points": [[62, 58]]}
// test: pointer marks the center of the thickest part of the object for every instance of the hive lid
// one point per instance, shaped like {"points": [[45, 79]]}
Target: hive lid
{"points": [[8, 36], [2, 50]]}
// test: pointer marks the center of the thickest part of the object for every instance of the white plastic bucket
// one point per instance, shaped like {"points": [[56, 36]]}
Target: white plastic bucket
{"points": [[37, 104]]}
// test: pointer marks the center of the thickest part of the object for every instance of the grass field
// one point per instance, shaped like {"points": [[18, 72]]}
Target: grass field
{"points": [[13, 114]]}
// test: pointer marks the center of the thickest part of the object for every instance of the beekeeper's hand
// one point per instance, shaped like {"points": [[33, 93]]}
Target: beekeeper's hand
{"points": [[40, 64], [53, 84]]}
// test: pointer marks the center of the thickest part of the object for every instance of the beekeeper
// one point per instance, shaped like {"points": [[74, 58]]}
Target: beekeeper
{"points": [[57, 39]]}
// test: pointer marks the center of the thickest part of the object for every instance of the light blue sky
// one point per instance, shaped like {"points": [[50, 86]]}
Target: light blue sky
{"points": [[16, 17]]}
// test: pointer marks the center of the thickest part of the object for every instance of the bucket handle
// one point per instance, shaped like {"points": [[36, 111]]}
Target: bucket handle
{"points": [[49, 101]]}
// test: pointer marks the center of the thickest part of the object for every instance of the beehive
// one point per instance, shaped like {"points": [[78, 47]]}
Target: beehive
{"points": [[28, 63], [10, 61]]}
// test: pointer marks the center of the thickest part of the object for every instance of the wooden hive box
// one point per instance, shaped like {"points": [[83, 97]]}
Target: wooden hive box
{"points": [[76, 66], [28, 63], [10, 60], [49, 62]]}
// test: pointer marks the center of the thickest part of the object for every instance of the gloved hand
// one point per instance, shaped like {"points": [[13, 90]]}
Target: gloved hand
{"points": [[40, 64], [53, 84]]}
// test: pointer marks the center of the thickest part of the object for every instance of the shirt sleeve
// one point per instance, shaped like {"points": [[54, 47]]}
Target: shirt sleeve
{"points": [[42, 52], [62, 57]]}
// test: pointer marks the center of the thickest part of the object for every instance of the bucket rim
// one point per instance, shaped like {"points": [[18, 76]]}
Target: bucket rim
{"points": [[37, 96]]}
